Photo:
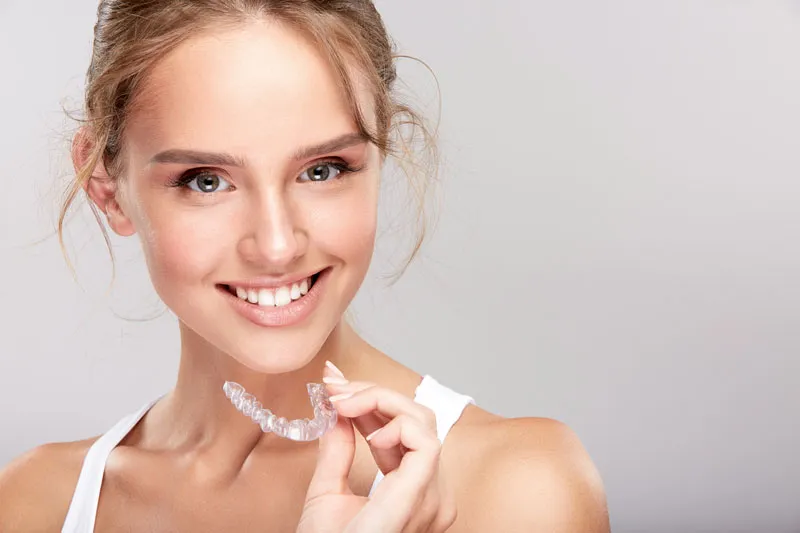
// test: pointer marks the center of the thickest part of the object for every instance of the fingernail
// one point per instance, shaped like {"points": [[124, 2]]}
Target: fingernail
{"points": [[369, 437], [341, 396], [333, 367], [334, 380]]}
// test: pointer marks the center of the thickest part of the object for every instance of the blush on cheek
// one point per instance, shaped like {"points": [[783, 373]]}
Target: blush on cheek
{"points": [[346, 228], [180, 254]]}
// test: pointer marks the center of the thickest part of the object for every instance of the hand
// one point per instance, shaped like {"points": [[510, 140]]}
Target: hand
{"points": [[411, 497]]}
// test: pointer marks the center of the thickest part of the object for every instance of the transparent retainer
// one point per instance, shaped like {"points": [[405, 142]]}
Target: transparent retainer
{"points": [[301, 430]]}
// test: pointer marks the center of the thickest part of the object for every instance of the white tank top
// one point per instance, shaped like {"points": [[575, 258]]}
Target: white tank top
{"points": [[444, 402]]}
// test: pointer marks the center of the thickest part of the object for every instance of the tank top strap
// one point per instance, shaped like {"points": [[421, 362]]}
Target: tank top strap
{"points": [[83, 507], [445, 403]]}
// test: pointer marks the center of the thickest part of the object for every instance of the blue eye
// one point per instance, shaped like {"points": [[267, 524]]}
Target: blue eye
{"points": [[325, 171], [206, 182]]}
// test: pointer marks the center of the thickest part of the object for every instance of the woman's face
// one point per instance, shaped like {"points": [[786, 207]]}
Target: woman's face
{"points": [[237, 179]]}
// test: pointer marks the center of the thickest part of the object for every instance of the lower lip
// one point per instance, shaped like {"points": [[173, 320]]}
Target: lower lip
{"points": [[287, 315]]}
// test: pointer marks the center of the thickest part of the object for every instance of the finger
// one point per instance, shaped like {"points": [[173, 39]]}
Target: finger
{"points": [[423, 447], [398, 496], [388, 459], [436, 512], [385, 401], [367, 423], [336, 452]]}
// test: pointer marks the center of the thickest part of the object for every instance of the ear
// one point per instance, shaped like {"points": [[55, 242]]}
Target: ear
{"points": [[100, 187]]}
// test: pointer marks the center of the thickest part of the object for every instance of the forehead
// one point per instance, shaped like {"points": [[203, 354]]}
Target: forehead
{"points": [[260, 88]]}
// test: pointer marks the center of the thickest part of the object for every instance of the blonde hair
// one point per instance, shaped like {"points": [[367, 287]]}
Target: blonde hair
{"points": [[131, 36]]}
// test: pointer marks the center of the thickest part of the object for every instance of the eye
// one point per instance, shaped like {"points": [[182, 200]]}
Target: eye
{"points": [[206, 182], [324, 171]]}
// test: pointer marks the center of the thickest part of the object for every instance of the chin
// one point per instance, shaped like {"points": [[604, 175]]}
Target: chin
{"points": [[275, 350], [275, 361]]}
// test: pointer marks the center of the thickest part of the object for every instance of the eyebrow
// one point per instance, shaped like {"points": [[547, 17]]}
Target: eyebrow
{"points": [[194, 157]]}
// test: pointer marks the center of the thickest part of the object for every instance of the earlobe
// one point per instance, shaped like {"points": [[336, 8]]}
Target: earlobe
{"points": [[99, 186]]}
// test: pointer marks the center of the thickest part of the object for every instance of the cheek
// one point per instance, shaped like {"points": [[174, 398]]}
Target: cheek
{"points": [[346, 227], [180, 246]]}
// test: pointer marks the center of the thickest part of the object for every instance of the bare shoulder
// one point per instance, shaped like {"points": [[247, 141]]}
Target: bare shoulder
{"points": [[523, 474], [36, 488]]}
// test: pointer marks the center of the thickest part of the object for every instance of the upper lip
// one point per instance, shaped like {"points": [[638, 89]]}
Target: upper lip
{"points": [[271, 282]]}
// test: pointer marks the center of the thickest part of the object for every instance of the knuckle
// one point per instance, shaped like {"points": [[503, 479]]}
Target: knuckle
{"points": [[429, 417], [445, 518], [367, 387], [434, 450], [428, 510], [404, 419], [446, 512]]}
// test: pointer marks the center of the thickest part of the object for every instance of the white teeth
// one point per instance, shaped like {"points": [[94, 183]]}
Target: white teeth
{"points": [[266, 298], [278, 297], [283, 297]]}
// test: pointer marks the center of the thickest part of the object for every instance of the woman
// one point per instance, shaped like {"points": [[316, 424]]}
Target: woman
{"points": [[242, 141]]}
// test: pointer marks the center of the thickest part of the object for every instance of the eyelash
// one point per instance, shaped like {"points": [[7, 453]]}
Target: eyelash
{"points": [[183, 180]]}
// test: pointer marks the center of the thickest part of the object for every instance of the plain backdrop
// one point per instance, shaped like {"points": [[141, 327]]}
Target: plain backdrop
{"points": [[617, 245]]}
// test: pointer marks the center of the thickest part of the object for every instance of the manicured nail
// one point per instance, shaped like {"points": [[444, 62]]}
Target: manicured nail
{"points": [[341, 396], [334, 381], [369, 437], [333, 367]]}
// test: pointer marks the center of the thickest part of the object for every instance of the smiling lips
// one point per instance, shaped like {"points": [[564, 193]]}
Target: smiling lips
{"points": [[274, 297]]}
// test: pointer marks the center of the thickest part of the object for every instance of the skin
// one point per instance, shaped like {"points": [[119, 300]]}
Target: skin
{"points": [[190, 464]]}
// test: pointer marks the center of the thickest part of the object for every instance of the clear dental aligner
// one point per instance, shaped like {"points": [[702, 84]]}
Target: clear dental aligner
{"points": [[299, 430]]}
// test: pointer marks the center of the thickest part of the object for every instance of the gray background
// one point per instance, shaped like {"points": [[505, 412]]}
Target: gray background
{"points": [[617, 246]]}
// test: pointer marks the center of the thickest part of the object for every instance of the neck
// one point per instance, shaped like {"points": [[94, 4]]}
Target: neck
{"points": [[197, 415]]}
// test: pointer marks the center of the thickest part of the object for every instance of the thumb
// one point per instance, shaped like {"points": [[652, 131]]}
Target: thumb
{"points": [[337, 449]]}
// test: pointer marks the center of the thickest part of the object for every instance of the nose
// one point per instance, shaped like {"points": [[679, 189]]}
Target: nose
{"points": [[274, 239]]}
